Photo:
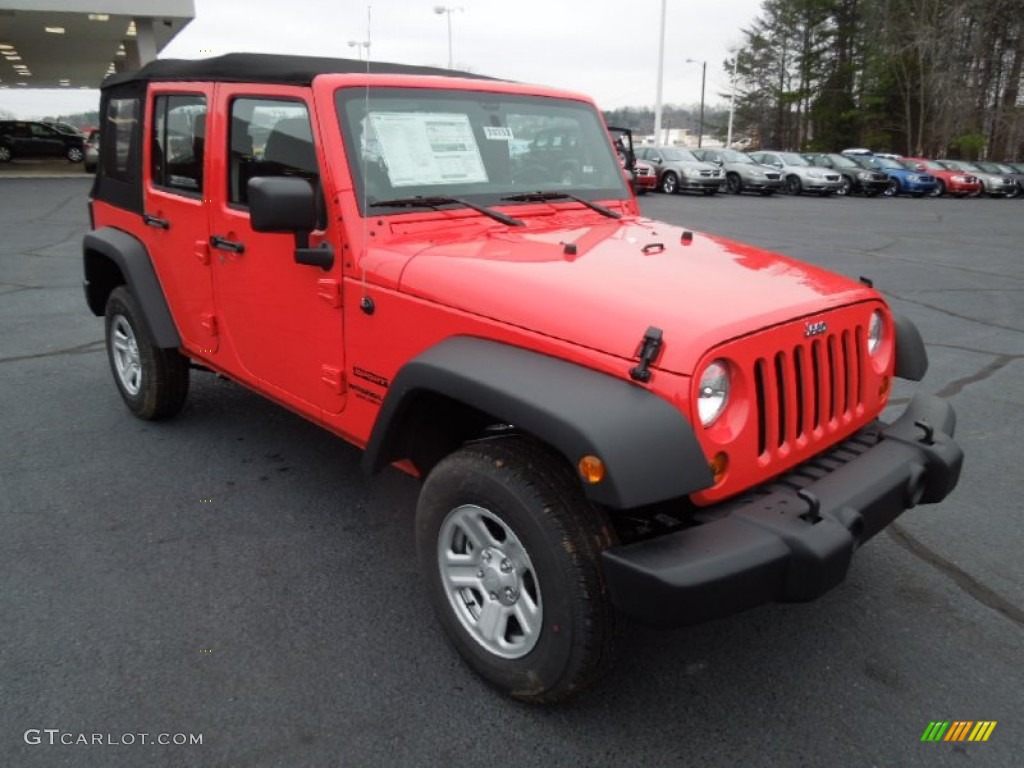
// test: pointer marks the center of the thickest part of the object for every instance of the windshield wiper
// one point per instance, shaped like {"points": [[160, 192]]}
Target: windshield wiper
{"points": [[543, 196], [436, 201]]}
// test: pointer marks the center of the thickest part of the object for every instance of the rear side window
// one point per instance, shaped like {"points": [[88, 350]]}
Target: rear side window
{"points": [[178, 143], [269, 137], [121, 126]]}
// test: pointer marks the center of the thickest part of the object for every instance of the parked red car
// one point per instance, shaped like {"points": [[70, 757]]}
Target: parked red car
{"points": [[956, 183]]}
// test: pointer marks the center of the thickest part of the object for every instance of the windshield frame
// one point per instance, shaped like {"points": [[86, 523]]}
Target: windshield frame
{"points": [[494, 176]]}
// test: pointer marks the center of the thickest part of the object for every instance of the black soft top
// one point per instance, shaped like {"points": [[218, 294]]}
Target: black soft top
{"points": [[269, 68]]}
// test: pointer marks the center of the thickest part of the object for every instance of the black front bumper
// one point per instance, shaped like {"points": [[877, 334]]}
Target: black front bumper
{"points": [[793, 539]]}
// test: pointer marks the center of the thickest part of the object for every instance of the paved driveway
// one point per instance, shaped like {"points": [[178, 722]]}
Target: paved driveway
{"points": [[233, 574]]}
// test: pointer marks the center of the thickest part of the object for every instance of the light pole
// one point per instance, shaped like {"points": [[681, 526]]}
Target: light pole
{"points": [[732, 100], [661, 69], [703, 79], [361, 44], [449, 10]]}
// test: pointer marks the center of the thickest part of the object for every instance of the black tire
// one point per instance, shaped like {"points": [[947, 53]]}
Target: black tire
{"points": [[940, 189], [669, 183], [1014, 193], [74, 154], [5, 154], [892, 190], [793, 185], [153, 382], [845, 187], [733, 183], [538, 541]]}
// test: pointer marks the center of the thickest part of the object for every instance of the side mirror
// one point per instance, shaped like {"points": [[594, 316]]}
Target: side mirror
{"points": [[288, 204]]}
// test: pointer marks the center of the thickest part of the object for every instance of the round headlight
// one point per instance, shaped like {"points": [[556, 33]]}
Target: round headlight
{"points": [[713, 393], [876, 327]]}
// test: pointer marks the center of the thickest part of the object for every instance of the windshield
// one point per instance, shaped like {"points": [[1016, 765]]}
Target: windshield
{"points": [[792, 158], [888, 162], [842, 161], [732, 156], [405, 143], [675, 155], [957, 165]]}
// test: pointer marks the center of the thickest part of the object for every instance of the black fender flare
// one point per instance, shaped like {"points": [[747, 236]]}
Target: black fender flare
{"points": [[911, 355], [647, 445], [130, 256]]}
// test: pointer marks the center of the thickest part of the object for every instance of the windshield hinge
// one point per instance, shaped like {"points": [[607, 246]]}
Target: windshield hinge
{"points": [[648, 351]]}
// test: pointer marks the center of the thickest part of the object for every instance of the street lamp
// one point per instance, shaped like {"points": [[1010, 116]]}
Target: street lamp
{"points": [[703, 79], [449, 10], [361, 44], [732, 98]]}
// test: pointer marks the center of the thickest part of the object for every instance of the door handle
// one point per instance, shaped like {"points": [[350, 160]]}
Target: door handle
{"points": [[153, 221], [223, 244]]}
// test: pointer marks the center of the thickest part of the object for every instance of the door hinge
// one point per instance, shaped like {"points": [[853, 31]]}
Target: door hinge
{"points": [[209, 322], [333, 377], [330, 291], [202, 251]]}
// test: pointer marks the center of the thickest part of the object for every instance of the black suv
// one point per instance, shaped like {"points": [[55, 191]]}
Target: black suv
{"points": [[23, 138]]}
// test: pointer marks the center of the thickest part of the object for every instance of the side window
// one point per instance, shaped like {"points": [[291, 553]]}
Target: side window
{"points": [[120, 135], [269, 137], [178, 142]]}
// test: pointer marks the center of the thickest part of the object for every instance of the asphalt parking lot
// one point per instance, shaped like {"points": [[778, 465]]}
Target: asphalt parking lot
{"points": [[234, 574]]}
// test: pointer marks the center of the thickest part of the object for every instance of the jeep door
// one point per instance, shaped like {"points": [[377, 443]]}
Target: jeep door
{"points": [[282, 319], [175, 211]]}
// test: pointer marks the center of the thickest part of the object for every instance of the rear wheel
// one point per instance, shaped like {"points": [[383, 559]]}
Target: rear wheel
{"points": [[845, 187], [5, 154], [509, 550], [940, 189], [793, 185], [892, 189], [153, 382], [669, 183], [733, 183]]}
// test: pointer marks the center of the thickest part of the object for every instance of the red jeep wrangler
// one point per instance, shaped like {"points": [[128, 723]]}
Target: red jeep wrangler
{"points": [[608, 413]]}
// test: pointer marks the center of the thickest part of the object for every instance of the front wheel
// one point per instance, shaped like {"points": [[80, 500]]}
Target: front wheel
{"points": [[509, 550], [733, 183], [5, 154], [793, 185], [892, 189], [153, 381], [845, 187], [669, 183], [75, 155], [939, 190]]}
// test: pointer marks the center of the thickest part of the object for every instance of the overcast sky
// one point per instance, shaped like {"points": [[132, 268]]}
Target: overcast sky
{"points": [[605, 48]]}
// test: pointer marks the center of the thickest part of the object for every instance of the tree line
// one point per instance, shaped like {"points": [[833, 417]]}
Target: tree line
{"points": [[918, 77]]}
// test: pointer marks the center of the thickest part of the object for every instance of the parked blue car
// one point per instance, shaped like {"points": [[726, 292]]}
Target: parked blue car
{"points": [[903, 178]]}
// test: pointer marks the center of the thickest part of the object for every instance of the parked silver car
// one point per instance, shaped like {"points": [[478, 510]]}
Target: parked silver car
{"points": [[1006, 170], [996, 184], [680, 169], [742, 172], [92, 151], [799, 174]]}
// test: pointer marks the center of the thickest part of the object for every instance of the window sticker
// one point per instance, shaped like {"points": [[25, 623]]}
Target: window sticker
{"points": [[497, 133], [428, 148]]}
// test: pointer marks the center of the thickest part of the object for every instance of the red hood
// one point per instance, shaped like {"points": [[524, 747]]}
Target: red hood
{"points": [[611, 290]]}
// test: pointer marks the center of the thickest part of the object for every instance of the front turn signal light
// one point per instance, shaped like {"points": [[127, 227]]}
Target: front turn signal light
{"points": [[719, 464], [591, 469]]}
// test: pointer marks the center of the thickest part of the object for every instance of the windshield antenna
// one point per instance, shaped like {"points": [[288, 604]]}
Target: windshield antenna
{"points": [[365, 303]]}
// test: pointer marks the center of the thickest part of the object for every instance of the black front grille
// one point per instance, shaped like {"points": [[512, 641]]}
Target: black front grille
{"points": [[802, 393]]}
